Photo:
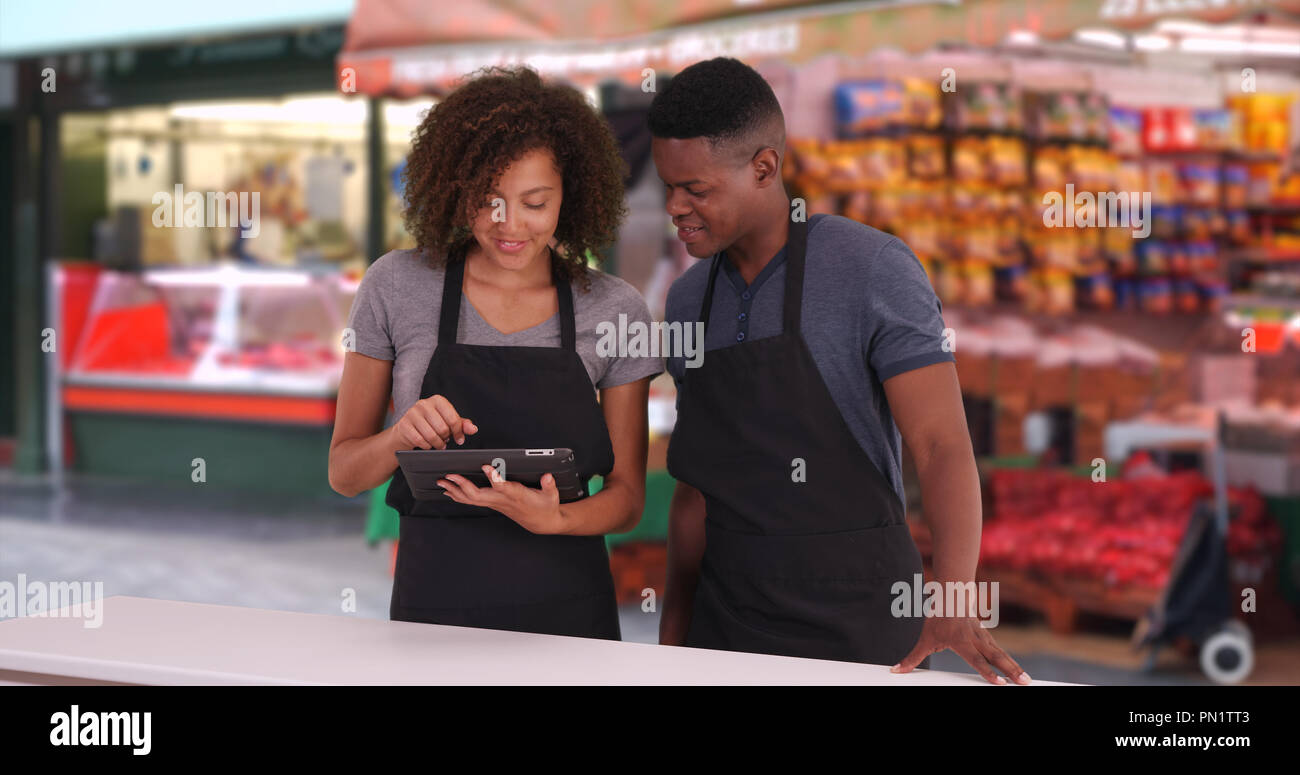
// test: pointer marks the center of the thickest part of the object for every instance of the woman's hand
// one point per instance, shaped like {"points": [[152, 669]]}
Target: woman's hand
{"points": [[432, 423], [537, 511], [973, 643]]}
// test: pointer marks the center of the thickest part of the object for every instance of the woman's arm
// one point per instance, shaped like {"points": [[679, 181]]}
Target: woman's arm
{"points": [[618, 506], [361, 450], [615, 509]]}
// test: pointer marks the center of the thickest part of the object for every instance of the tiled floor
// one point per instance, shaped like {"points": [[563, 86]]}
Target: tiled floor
{"points": [[260, 551]]}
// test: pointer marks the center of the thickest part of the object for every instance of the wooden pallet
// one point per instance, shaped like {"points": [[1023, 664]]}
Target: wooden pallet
{"points": [[1061, 601]]}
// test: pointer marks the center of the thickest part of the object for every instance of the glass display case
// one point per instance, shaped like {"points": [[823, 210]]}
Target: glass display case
{"points": [[226, 328]]}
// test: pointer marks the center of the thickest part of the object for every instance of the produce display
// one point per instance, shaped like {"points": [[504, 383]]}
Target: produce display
{"points": [[1123, 533]]}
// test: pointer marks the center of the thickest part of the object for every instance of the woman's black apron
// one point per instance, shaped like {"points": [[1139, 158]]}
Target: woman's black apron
{"points": [[474, 567], [805, 536]]}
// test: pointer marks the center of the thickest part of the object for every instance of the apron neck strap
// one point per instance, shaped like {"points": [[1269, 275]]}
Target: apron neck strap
{"points": [[453, 284], [795, 251]]}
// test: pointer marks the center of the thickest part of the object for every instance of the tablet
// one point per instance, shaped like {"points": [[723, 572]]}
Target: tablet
{"points": [[424, 467]]}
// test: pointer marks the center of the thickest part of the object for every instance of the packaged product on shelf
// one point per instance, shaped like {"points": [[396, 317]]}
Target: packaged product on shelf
{"points": [[883, 162], [1055, 115], [1263, 183], [1235, 178], [922, 106], [1153, 257], [1094, 291], [1058, 291], [1155, 295], [1006, 161], [1010, 282], [1125, 131], [1238, 230], [987, 105], [1202, 258], [1187, 296], [1096, 116], [1130, 176], [857, 207], [968, 162], [1216, 129], [1199, 183], [978, 288], [1165, 222], [848, 166], [925, 157], [1162, 181], [1196, 224], [1049, 170], [948, 284], [1117, 247], [1265, 121], [1125, 291], [867, 106]]}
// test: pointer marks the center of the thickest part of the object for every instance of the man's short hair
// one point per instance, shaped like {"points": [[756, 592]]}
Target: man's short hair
{"points": [[723, 100]]}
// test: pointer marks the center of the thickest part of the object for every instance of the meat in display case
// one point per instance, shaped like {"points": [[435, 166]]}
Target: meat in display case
{"points": [[250, 332]]}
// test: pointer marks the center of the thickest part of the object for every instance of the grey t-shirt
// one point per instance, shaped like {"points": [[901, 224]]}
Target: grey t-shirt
{"points": [[395, 318], [869, 314]]}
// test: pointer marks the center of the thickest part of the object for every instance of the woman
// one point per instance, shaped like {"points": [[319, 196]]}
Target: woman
{"points": [[486, 336]]}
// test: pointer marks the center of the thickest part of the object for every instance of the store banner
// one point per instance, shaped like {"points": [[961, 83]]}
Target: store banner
{"points": [[403, 48]]}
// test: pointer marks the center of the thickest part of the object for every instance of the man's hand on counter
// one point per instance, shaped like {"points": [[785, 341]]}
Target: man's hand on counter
{"points": [[973, 643]]}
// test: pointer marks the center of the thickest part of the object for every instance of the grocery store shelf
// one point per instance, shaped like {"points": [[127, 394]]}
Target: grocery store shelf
{"points": [[1240, 300]]}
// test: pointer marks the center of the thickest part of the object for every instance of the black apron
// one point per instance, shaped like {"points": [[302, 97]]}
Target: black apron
{"points": [[794, 568], [475, 567]]}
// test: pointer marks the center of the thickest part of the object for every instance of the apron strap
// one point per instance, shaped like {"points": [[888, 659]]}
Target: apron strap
{"points": [[708, 295], [568, 324], [796, 250], [449, 315]]}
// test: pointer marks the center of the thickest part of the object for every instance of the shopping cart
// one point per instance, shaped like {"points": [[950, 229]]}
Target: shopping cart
{"points": [[1197, 604]]}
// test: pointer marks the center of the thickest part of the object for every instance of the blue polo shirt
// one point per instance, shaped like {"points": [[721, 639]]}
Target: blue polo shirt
{"points": [[869, 314]]}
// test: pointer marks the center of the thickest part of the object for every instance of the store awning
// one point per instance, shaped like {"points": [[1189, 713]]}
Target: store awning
{"points": [[54, 26], [407, 47]]}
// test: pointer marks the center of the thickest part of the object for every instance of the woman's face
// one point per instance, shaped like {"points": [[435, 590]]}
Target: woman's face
{"points": [[516, 225]]}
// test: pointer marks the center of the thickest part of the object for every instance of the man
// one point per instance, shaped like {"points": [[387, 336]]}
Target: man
{"points": [[823, 340]]}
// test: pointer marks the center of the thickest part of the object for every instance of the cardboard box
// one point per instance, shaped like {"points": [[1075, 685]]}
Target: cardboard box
{"points": [[975, 373], [1090, 418], [1219, 378], [1053, 386], [1127, 405], [1097, 382], [1013, 374]]}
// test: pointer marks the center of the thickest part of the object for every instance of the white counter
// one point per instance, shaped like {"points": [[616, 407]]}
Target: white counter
{"points": [[146, 641]]}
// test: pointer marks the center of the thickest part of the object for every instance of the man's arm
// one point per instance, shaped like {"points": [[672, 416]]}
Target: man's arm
{"points": [[926, 404], [685, 550]]}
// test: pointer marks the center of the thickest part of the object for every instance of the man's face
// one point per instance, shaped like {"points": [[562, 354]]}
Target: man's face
{"points": [[707, 193]]}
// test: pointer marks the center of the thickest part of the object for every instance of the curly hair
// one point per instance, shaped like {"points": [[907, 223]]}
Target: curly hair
{"points": [[721, 99], [467, 140]]}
